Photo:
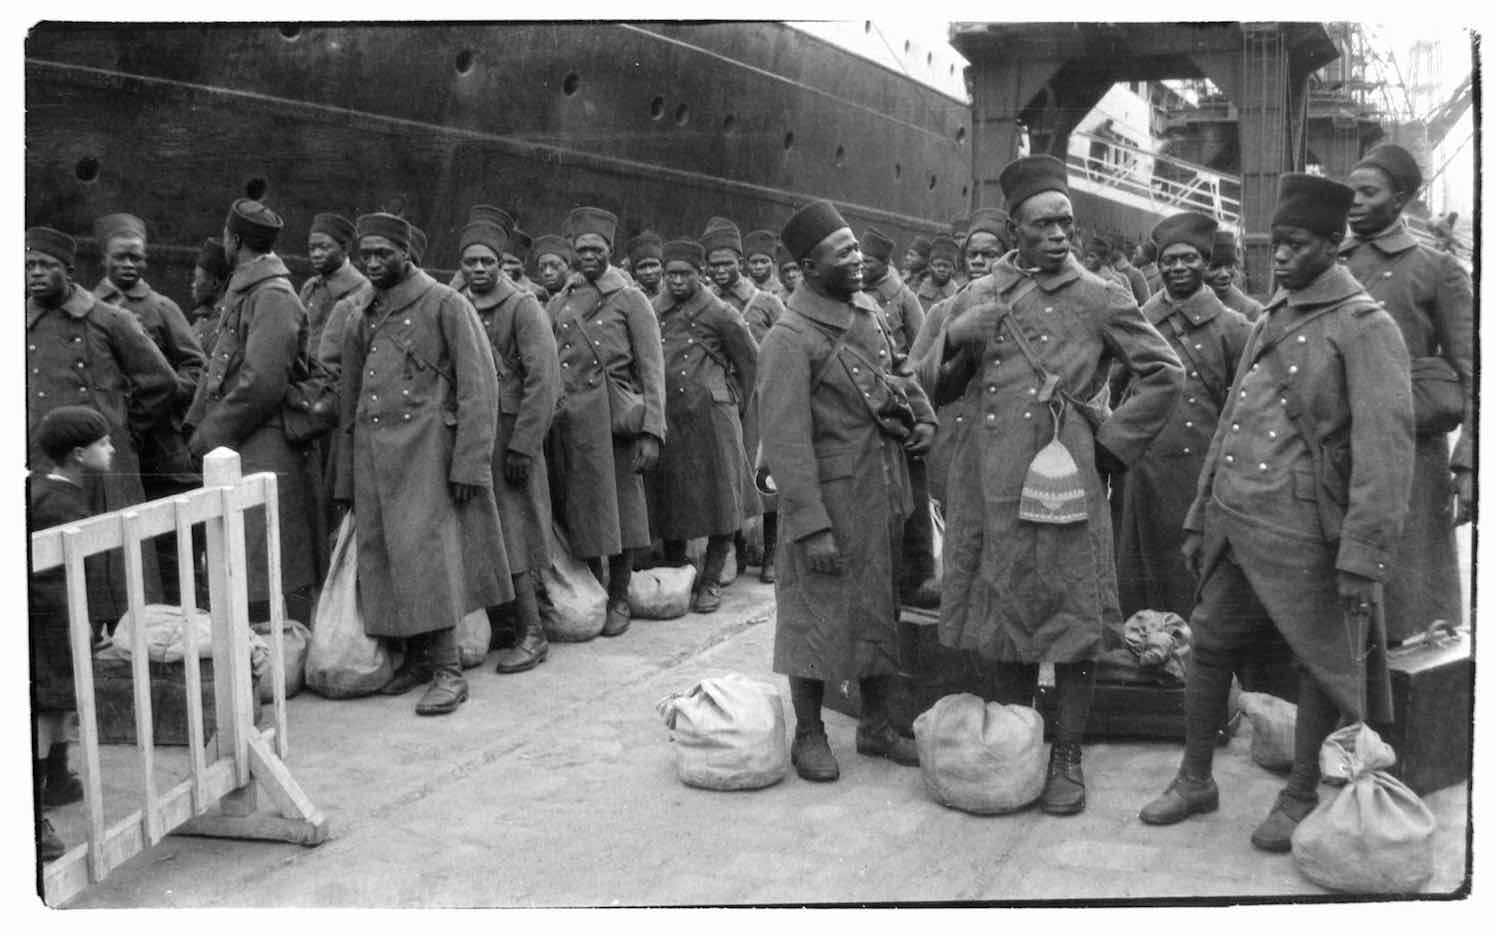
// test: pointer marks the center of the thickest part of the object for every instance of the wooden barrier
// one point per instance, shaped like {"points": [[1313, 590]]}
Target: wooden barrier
{"points": [[219, 798]]}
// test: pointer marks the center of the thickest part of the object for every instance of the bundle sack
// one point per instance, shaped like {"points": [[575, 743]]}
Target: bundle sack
{"points": [[1273, 729], [295, 639], [168, 633], [343, 661], [697, 553], [662, 593], [981, 757], [1375, 835], [729, 733], [572, 600], [1159, 640]]}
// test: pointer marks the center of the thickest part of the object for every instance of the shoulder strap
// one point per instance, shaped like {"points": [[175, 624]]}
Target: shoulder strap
{"points": [[1174, 322], [406, 347]]}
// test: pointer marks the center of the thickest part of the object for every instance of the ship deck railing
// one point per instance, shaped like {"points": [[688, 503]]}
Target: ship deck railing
{"points": [[1160, 184]]}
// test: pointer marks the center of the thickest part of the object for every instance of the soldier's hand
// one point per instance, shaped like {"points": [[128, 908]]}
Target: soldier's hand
{"points": [[517, 468], [920, 440], [462, 493], [647, 452], [976, 324], [344, 507], [823, 553], [1356, 593], [1463, 497], [1192, 553]]}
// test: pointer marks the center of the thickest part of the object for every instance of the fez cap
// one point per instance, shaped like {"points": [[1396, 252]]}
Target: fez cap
{"points": [[418, 244], [484, 233], [716, 221], [520, 244], [684, 251], [588, 220], [643, 246], [988, 220], [1099, 244], [53, 243], [783, 256], [1315, 203], [254, 222], [68, 427], [111, 225], [760, 243], [944, 248], [554, 245], [874, 243], [807, 228], [922, 244], [335, 226], [721, 234], [959, 226], [1148, 250], [1223, 252], [1396, 163], [1032, 175], [393, 228], [497, 216], [211, 258], [1187, 227]]}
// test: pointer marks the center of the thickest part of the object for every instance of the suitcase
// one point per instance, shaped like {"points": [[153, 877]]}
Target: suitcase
{"points": [[1432, 692], [1124, 711], [114, 700]]}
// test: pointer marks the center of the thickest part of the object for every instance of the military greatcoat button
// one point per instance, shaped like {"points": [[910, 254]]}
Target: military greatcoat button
{"points": [[1301, 339], [374, 419], [1229, 458], [41, 393], [1292, 369], [78, 364], [1272, 433], [990, 417], [1187, 451], [1188, 424], [995, 389], [1386, 275], [406, 321]]}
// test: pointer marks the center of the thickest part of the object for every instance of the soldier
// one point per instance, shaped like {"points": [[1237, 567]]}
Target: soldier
{"points": [[526, 359], [210, 276], [942, 261], [1223, 264], [644, 251], [420, 406], [1028, 558], [418, 246], [760, 262], [334, 277], [239, 403], [611, 423], [81, 351], [1134, 278], [1299, 508], [1431, 298], [1145, 261], [1158, 489], [788, 273], [1096, 254], [914, 263], [514, 264], [553, 260], [896, 301], [698, 486], [837, 422]]}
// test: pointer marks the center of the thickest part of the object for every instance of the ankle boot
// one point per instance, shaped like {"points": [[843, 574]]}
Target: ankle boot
{"points": [[617, 612], [62, 785], [812, 757], [1064, 794], [448, 689], [709, 594], [532, 647], [415, 668], [875, 736], [769, 525]]}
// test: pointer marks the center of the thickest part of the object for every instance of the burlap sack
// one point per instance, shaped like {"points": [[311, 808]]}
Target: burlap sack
{"points": [[729, 733], [981, 757]]}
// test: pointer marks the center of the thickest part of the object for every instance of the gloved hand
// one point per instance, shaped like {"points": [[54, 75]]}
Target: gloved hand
{"points": [[1192, 553]]}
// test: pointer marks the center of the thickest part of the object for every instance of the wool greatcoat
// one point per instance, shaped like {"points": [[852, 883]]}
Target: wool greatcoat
{"points": [[925, 361], [239, 406], [836, 470], [320, 293], [1346, 365], [1235, 299], [1034, 592], [929, 294], [526, 366], [605, 330], [900, 307], [698, 487], [760, 309], [420, 402], [1158, 489], [90, 353], [1431, 298]]}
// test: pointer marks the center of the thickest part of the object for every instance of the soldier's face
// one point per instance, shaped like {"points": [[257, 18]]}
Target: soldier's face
{"points": [[790, 275], [981, 252], [592, 252], [941, 270], [724, 267], [205, 286], [1043, 227], [384, 262], [325, 253], [1377, 203], [760, 267], [912, 260], [481, 268], [834, 265], [552, 270], [1219, 278], [1301, 256], [648, 272], [125, 261], [1182, 269], [511, 266], [97, 456], [46, 276], [682, 279], [874, 269]]}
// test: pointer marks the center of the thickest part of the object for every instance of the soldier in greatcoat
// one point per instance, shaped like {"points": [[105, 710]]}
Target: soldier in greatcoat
{"points": [[210, 277], [334, 277], [551, 261], [420, 403], [788, 273], [1024, 583], [81, 351], [526, 362], [517, 256], [760, 263], [1299, 508], [1223, 266], [1158, 489], [938, 284], [914, 261], [697, 488], [1145, 261], [1431, 298], [1127, 271], [604, 437], [239, 402], [837, 421], [644, 251]]}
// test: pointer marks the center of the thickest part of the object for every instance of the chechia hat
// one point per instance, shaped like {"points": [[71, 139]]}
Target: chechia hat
{"points": [[554, 245], [988, 220], [1395, 162], [211, 258], [1315, 203], [685, 251], [643, 246], [1223, 252], [721, 234], [111, 225], [393, 228], [808, 227], [760, 243], [1186, 227], [1032, 175], [53, 243], [874, 243], [483, 233], [944, 248], [335, 226], [498, 216], [586, 219]]}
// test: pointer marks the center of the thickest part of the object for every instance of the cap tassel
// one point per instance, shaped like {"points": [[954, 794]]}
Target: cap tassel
{"points": [[1053, 490]]}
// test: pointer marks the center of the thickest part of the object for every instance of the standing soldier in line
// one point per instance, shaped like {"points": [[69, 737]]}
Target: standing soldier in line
{"points": [[1431, 298], [552, 258], [420, 406], [165, 466], [788, 273], [896, 301], [81, 351], [334, 277], [942, 262], [1158, 489], [644, 251], [1134, 278], [210, 276], [838, 421], [514, 264], [604, 436], [760, 310], [760, 263], [1145, 261], [1299, 508], [526, 359], [1096, 260], [914, 263], [239, 403], [1028, 559], [1223, 263], [697, 488]]}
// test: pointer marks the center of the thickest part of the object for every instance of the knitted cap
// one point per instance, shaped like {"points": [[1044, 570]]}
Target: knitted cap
{"points": [[1396, 163], [588, 220], [807, 228], [1312, 202], [1032, 175], [874, 243], [685, 251], [484, 233], [393, 228], [1053, 489], [211, 258], [118, 223], [760, 244], [335, 226], [1187, 227], [53, 243], [69, 427]]}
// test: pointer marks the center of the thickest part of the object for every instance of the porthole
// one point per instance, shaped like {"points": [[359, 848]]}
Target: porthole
{"points": [[289, 30], [570, 84], [87, 169], [658, 107], [838, 155], [961, 134], [728, 122], [788, 140], [463, 61], [681, 115]]}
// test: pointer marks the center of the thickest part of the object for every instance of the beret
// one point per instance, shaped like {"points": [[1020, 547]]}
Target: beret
{"points": [[68, 427]]}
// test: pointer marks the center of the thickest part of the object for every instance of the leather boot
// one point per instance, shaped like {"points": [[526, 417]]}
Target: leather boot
{"points": [[1274, 834], [812, 757], [62, 785], [48, 846], [710, 594], [1186, 796], [770, 523], [875, 736], [415, 669], [617, 613], [532, 647], [1064, 794], [449, 689]]}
